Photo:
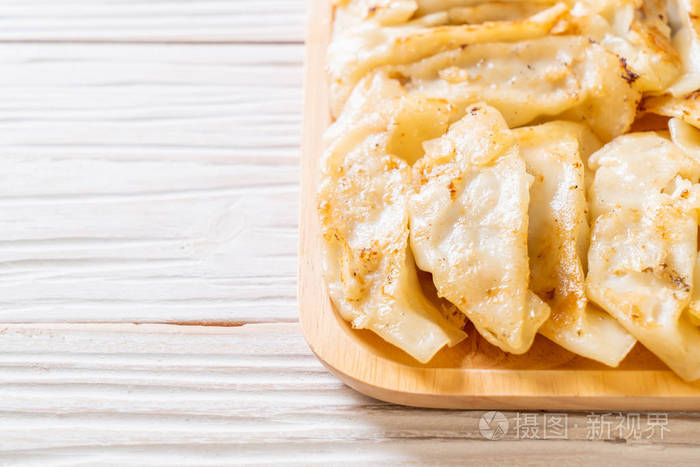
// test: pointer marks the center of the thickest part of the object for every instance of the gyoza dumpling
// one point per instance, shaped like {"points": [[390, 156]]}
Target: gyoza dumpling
{"points": [[686, 137], [558, 241], [682, 99], [638, 32], [644, 244], [363, 206], [694, 305], [468, 221], [687, 107], [471, 12], [635, 169], [687, 42], [350, 14], [356, 50], [432, 6], [381, 105], [367, 264], [567, 77]]}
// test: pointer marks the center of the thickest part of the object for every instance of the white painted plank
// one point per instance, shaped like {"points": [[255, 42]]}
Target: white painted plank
{"points": [[149, 183], [151, 100], [372, 452], [153, 21], [252, 394]]}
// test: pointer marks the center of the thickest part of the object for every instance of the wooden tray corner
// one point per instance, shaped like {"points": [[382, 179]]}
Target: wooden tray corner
{"points": [[474, 374]]}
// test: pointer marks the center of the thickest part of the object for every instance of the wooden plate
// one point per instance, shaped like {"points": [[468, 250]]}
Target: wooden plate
{"points": [[474, 374]]}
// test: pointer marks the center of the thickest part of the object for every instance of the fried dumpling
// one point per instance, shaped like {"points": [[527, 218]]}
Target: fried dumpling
{"points": [[638, 32], [558, 241], [687, 42], [354, 51], [566, 77], [349, 13], [682, 99], [686, 137], [687, 107], [380, 105], [353, 13], [694, 305], [644, 244], [367, 263], [468, 220], [363, 206], [635, 169], [482, 12], [432, 6]]}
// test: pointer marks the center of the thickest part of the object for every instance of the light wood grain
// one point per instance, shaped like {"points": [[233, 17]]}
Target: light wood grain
{"points": [[149, 101], [473, 374], [149, 183], [152, 21], [159, 394]]}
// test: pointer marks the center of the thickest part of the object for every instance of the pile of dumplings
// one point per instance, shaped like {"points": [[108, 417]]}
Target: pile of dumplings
{"points": [[491, 145]]}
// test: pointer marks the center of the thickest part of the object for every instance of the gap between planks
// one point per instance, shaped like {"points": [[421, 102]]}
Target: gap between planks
{"points": [[254, 390]]}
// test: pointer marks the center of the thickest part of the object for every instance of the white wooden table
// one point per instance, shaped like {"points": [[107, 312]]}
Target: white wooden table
{"points": [[149, 158]]}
